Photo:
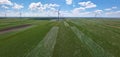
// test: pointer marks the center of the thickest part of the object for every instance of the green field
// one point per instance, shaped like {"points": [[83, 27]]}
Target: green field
{"points": [[83, 37]]}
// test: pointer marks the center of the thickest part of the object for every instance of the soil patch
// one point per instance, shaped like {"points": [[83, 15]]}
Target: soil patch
{"points": [[14, 28]]}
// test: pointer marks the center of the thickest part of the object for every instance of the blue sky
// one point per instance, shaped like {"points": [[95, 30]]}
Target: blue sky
{"points": [[68, 8]]}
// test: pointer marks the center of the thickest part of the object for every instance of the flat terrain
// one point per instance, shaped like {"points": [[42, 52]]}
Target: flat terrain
{"points": [[65, 38]]}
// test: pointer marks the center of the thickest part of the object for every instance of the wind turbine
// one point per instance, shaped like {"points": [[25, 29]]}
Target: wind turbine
{"points": [[98, 12], [58, 14], [5, 13], [18, 8], [20, 14], [5, 8]]}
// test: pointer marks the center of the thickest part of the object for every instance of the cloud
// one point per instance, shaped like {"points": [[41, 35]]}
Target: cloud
{"points": [[108, 9], [113, 13], [7, 2], [42, 7], [112, 8], [80, 11], [5, 7], [68, 2], [51, 6], [34, 6], [98, 11], [77, 10], [87, 4], [17, 6]]}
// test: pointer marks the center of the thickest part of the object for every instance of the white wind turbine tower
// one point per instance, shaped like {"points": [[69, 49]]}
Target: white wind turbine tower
{"points": [[20, 14], [58, 14], [5, 12], [18, 7], [98, 12], [5, 9]]}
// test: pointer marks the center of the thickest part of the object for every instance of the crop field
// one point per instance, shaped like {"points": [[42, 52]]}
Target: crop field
{"points": [[70, 37]]}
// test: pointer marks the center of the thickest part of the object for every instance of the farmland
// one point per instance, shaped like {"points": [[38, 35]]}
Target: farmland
{"points": [[70, 37]]}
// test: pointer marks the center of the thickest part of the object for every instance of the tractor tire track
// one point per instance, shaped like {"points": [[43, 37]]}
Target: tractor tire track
{"points": [[97, 50], [46, 46], [66, 24]]}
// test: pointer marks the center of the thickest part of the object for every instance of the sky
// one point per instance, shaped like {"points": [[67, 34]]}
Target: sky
{"points": [[67, 8]]}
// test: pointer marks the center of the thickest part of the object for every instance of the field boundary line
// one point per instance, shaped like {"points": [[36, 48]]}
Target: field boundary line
{"points": [[45, 47]]}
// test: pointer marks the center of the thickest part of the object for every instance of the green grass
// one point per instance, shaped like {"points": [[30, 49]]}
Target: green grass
{"points": [[19, 44], [6, 23], [103, 35], [64, 38], [68, 45]]}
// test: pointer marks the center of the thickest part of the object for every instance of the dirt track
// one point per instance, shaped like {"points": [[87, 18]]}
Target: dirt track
{"points": [[13, 28]]}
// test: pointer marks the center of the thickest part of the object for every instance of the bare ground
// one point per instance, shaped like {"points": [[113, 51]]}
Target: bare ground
{"points": [[13, 28]]}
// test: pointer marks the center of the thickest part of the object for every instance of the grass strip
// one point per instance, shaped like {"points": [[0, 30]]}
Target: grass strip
{"points": [[97, 50], [68, 45], [18, 45], [46, 46]]}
